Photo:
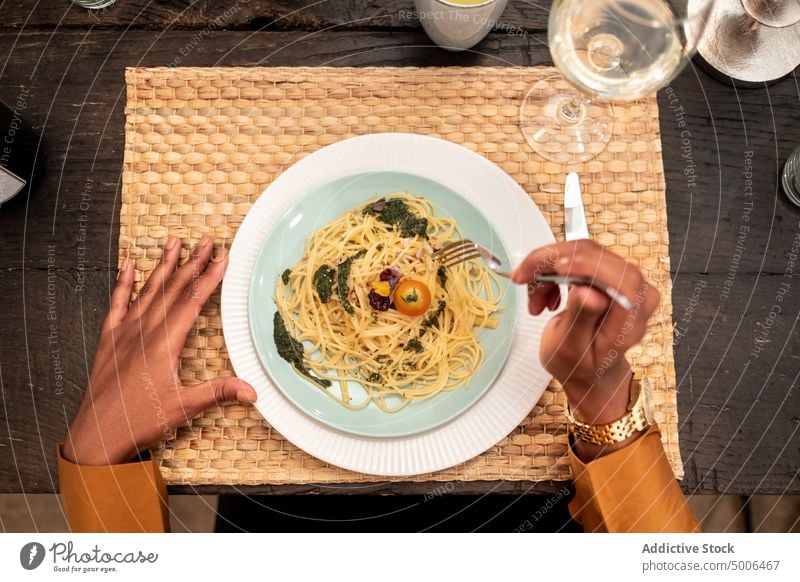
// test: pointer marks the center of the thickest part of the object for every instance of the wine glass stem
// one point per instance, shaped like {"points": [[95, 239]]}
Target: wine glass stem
{"points": [[571, 111]]}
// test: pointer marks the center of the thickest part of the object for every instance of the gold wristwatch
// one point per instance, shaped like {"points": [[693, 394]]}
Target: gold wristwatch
{"points": [[639, 417]]}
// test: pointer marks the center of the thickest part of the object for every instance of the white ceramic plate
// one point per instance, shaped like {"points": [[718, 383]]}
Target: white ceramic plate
{"points": [[522, 228]]}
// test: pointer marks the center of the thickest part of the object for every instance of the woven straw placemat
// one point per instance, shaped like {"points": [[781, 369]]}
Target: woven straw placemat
{"points": [[202, 144]]}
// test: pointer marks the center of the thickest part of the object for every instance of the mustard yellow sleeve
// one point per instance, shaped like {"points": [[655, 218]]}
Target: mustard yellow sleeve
{"points": [[130, 497], [630, 490]]}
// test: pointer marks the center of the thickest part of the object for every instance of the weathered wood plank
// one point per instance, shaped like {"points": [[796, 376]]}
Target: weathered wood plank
{"points": [[81, 118], [250, 15], [737, 361], [50, 331], [399, 488]]}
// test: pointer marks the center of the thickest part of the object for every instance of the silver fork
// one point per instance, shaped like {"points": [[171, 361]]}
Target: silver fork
{"points": [[467, 250]]}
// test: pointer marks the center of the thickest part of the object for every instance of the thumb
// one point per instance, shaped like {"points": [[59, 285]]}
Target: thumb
{"points": [[217, 391]]}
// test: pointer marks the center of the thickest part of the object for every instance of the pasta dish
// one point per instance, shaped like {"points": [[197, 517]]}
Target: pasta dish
{"points": [[368, 315]]}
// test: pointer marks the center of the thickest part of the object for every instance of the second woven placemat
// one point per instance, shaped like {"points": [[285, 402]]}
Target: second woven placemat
{"points": [[202, 144]]}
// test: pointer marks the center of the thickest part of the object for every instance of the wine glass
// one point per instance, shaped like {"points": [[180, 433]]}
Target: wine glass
{"points": [[607, 50]]}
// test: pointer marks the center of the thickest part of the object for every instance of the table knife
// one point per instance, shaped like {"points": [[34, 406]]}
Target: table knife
{"points": [[575, 228], [574, 216]]}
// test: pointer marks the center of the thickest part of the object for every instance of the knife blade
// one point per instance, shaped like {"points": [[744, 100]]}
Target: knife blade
{"points": [[574, 217], [575, 228]]}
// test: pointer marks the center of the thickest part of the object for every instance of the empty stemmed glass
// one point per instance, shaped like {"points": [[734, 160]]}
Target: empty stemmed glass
{"points": [[608, 50]]}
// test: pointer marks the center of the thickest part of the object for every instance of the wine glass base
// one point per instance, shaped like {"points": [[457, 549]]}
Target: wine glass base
{"points": [[777, 14], [560, 134]]}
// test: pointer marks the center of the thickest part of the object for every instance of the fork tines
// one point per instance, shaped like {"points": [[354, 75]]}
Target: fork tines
{"points": [[457, 252]]}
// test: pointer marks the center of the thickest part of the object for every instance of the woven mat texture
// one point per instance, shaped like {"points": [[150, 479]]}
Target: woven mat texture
{"points": [[201, 144]]}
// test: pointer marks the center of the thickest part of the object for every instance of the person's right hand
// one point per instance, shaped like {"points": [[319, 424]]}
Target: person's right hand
{"points": [[584, 345], [135, 397]]}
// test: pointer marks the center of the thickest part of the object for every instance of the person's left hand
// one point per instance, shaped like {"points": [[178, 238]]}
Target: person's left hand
{"points": [[135, 397]]}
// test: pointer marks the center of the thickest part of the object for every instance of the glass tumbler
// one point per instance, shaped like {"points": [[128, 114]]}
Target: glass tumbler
{"points": [[94, 4], [457, 25], [790, 177]]}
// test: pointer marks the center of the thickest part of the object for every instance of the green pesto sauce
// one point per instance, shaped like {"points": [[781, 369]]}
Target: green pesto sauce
{"points": [[441, 274], [323, 282], [395, 212], [413, 345], [291, 350], [433, 319], [342, 275]]}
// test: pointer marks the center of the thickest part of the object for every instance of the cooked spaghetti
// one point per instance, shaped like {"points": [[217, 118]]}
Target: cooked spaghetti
{"points": [[355, 299]]}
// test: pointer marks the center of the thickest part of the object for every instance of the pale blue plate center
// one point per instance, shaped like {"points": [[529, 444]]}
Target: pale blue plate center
{"points": [[284, 246]]}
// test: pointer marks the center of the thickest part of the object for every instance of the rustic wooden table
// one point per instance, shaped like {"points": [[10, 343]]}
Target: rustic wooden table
{"points": [[736, 295]]}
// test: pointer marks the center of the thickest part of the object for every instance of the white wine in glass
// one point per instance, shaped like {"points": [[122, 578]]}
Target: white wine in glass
{"points": [[608, 50]]}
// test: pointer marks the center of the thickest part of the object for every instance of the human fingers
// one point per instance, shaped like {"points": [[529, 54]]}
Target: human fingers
{"points": [[572, 333], [197, 398], [543, 261], [586, 307], [120, 297], [187, 306], [177, 282], [547, 260], [543, 295], [155, 282], [601, 266], [580, 258], [585, 258], [540, 261]]}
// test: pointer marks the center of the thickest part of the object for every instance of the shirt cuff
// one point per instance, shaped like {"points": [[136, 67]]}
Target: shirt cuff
{"points": [[130, 497], [632, 489]]}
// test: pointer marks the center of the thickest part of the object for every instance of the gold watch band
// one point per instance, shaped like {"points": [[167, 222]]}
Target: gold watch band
{"points": [[637, 418]]}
